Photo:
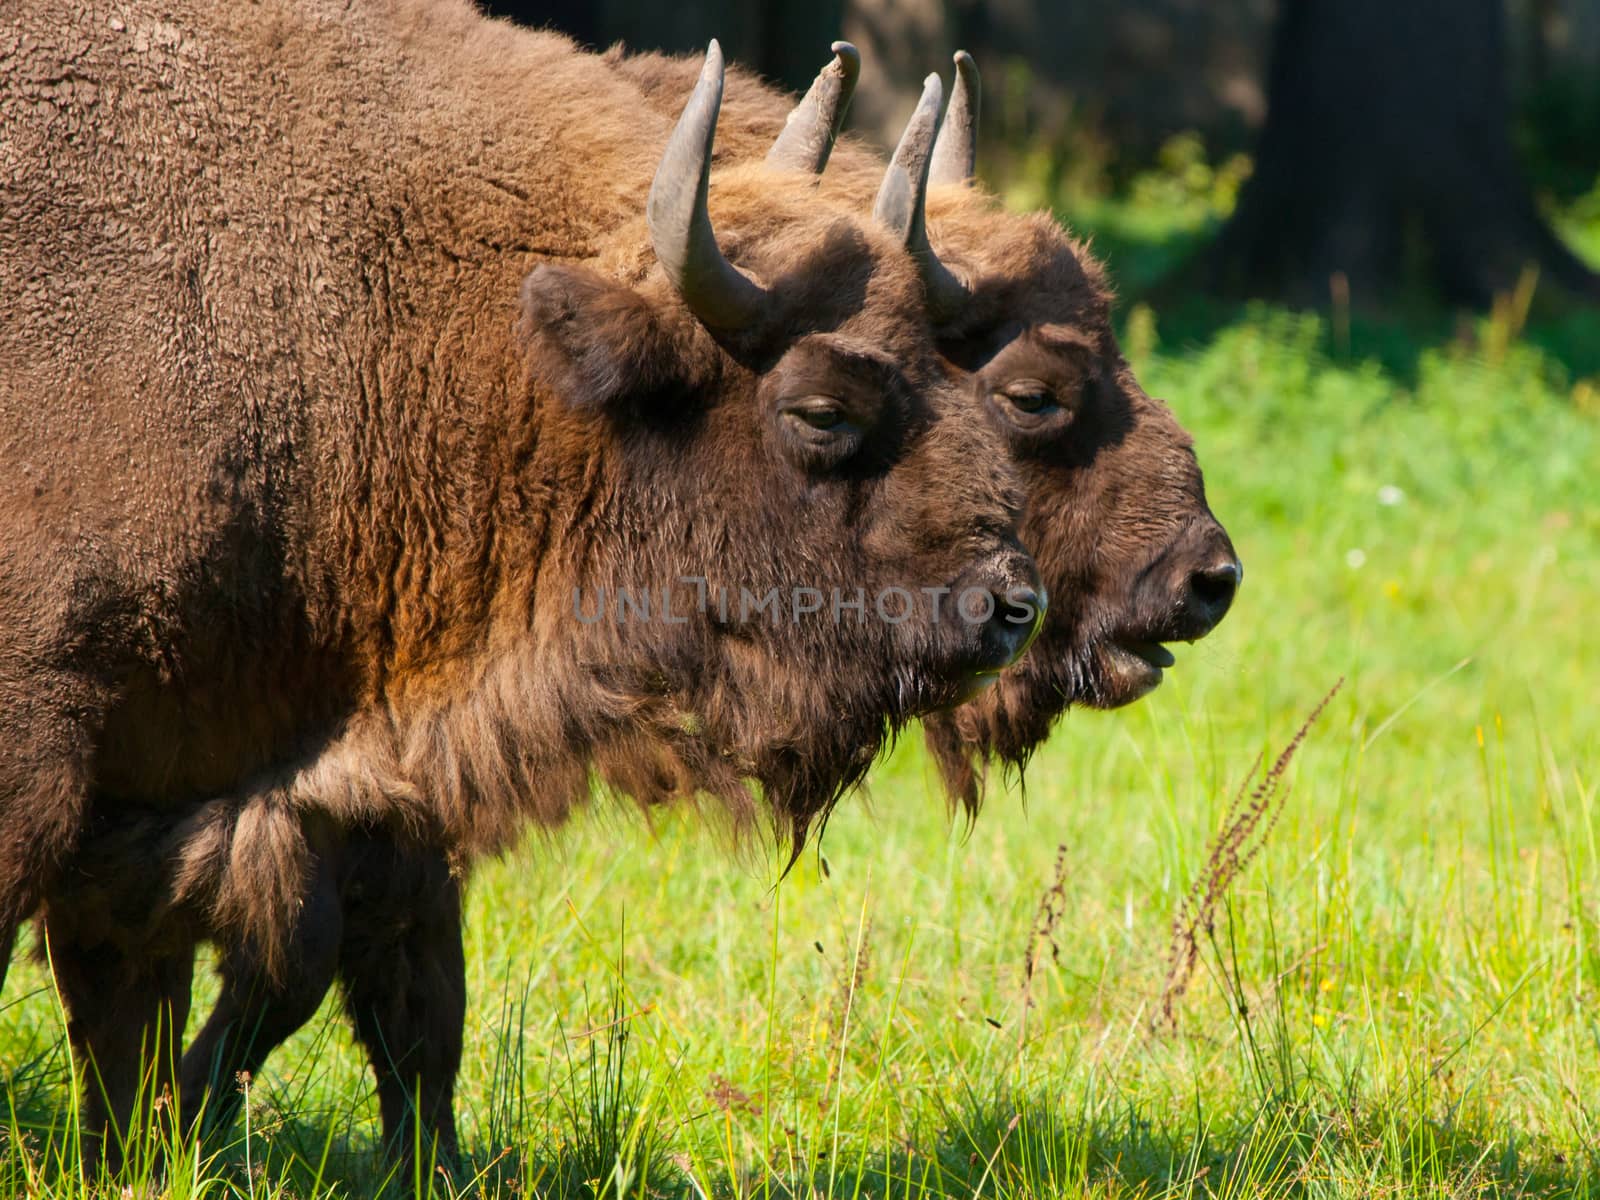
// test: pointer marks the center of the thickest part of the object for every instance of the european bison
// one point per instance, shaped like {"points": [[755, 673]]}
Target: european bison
{"points": [[1115, 511], [350, 354]]}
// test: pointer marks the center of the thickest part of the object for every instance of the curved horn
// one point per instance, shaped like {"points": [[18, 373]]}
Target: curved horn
{"points": [[808, 135], [955, 153], [901, 196], [680, 224]]}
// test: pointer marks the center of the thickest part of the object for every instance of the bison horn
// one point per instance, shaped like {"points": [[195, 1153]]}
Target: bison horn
{"points": [[808, 135], [680, 223], [902, 195], [955, 153]]}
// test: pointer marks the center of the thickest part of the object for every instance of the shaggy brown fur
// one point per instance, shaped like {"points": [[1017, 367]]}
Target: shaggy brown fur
{"points": [[1115, 513], [330, 382]]}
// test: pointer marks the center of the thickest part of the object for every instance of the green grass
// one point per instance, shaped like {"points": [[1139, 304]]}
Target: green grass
{"points": [[1401, 993]]}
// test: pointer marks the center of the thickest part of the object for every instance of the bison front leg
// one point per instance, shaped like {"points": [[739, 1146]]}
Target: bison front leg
{"points": [[8, 945], [256, 1012], [44, 783], [404, 979], [126, 1009]]}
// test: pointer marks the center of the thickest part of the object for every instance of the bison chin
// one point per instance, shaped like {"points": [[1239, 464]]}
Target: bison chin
{"points": [[1011, 720], [1127, 670]]}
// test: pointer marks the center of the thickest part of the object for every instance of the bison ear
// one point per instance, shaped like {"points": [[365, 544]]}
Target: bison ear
{"points": [[597, 343]]}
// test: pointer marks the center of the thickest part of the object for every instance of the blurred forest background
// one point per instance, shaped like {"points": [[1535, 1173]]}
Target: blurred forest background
{"points": [[1316, 149]]}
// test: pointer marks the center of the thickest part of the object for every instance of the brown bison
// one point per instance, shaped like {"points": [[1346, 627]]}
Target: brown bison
{"points": [[350, 356], [1115, 512]]}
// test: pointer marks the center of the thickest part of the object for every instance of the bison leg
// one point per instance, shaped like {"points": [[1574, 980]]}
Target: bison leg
{"points": [[44, 793], [126, 1009], [404, 979], [256, 1012], [8, 945]]}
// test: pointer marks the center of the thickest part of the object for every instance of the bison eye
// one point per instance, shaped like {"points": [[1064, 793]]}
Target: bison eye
{"points": [[819, 415], [822, 413], [1033, 413], [819, 430], [1029, 396]]}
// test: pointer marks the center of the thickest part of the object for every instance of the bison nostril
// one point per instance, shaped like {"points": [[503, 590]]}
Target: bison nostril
{"points": [[1020, 606], [1018, 614], [1214, 587], [1000, 613]]}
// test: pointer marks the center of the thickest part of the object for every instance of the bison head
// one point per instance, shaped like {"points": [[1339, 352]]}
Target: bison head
{"points": [[1115, 511], [789, 532], [1114, 505]]}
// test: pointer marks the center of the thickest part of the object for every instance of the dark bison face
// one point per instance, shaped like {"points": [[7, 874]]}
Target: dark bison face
{"points": [[1115, 512], [789, 529]]}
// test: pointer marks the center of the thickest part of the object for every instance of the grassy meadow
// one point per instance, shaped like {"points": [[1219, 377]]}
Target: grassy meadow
{"points": [[1398, 995]]}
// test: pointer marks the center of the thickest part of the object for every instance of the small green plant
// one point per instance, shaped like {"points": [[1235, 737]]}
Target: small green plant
{"points": [[1246, 826], [612, 1146]]}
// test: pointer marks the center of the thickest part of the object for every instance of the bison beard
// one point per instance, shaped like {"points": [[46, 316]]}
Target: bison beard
{"points": [[308, 446]]}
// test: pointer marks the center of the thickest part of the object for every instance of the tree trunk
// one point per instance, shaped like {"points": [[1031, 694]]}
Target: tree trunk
{"points": [[1388, 130]]}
